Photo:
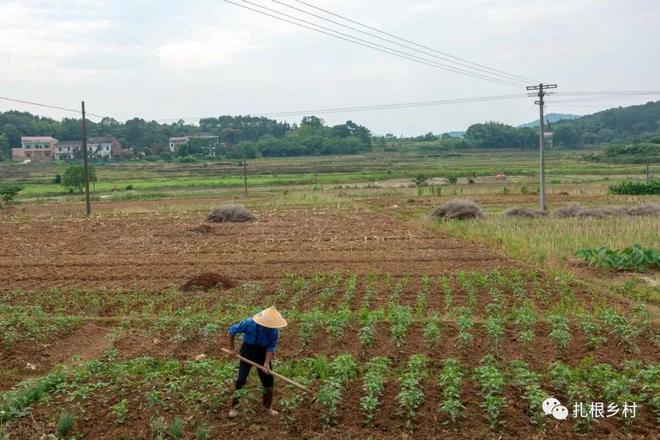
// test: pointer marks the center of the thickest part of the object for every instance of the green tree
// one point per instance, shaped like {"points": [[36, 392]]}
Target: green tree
{"points": [[74, 177], [9, 191]]}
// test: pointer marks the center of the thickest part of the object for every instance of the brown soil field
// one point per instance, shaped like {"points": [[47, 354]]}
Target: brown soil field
{"points": [[157, 251]]}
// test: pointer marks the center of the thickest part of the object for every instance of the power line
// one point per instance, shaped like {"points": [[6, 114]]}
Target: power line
{"points": [[380, 47], [394, 106], [371, 45], [415, 44], [56, 107], [502, 75], [612, 93]]}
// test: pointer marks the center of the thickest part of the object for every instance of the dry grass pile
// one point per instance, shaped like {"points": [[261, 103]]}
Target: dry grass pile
{"points": [[207, 281], [230, 213], [578, 210], [518, 211], [646, 209], [459, 209]]}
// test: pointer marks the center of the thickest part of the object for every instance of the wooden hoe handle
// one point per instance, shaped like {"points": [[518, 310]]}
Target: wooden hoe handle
{"points": [[261, 367]]}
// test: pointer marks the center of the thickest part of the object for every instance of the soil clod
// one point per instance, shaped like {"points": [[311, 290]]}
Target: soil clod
{"points": [[206, 282]]}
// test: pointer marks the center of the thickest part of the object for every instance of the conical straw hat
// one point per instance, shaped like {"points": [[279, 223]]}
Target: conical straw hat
{"points": [[270, 318]]}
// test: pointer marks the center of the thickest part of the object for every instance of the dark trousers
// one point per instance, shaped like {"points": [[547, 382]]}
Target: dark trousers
{"points": [[256, 354]]}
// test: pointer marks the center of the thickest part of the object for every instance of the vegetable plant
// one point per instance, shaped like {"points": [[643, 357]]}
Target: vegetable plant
{"points": [[560, 332], [411, 396], [401, 318], [450, 380], [373, 385], [465, 324], [636, 257], [432, 329], [491, 383]]}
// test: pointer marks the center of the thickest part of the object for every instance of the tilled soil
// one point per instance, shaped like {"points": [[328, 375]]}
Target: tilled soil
{"points": [[157, 252]]}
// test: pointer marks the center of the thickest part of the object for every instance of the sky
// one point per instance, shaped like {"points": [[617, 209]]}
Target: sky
{"points": [[167, 59]]}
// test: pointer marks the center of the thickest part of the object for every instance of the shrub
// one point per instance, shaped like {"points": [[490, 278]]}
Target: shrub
{"points": [[459, 209], [230, 213], [636, 188], [9, 191], [635, 258]]}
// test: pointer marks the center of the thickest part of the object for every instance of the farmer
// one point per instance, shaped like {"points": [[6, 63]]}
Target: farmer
{"points": [[260, 337]]}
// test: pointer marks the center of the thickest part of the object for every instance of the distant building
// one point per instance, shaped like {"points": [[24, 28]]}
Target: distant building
{"points": [[68, 150], [42, 148], [209, 141], [35, 148]]}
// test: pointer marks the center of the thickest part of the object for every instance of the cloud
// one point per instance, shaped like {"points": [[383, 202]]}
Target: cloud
{"points": [[207, 49]]}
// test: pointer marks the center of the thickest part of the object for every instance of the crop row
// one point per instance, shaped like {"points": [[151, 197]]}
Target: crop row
{"points": [[202, 387]]}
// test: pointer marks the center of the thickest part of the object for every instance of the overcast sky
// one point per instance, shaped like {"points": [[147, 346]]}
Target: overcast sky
{"points": [[176, 59]]}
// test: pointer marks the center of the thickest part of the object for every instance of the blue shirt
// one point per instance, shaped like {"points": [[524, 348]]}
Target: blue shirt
{"points": [[255, 334]]}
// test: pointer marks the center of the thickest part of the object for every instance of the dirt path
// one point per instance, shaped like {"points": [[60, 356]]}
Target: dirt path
{"points": [[31, 358]]}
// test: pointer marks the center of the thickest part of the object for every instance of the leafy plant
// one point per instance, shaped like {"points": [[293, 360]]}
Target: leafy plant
{"points": [[338, 322], [465, 324], [120, 411], [342, 369], [495, 330], [491, 383], [636, 187], [373, 385], [367, 331], [432, 329], [451, 378], [402, 318], [177, 429], [411, 396], [202, 432], [636, 257], [560, 332], [64, 424]]}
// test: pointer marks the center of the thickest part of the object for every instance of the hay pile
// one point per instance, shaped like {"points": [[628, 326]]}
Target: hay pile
{"points": [[230, 213], [647, 209], [518, 211], [459, 209], [206, 282], [580, 211]]}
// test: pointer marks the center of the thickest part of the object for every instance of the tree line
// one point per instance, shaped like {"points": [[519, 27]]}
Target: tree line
{"points": [[236, 135]]}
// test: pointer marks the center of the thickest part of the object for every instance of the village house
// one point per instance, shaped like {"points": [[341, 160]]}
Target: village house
{"points": [[210, 142], [35, 148], [42, 148]]}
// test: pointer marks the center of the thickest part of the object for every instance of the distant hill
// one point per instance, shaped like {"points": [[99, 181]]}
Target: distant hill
{"points": [[617, 125], [552, 118], [456, 134]]}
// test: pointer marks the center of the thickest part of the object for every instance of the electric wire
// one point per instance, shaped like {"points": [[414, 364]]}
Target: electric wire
{"points": [[413, 43], [445, 58], [371, 45]]}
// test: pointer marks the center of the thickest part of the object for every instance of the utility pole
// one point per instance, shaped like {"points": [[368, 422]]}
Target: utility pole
{"points": [[245, 176], [541, 88], [88, 206]]}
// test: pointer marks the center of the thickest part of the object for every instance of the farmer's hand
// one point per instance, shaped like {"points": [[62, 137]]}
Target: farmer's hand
{"points": [[267, 368], [230, 353]]}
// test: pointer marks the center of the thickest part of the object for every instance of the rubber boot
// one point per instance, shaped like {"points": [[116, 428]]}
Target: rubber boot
{"points": [[232, 408], [268, 401]]}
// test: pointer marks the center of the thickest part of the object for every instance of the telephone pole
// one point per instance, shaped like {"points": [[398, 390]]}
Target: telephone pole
{"points": [[541, 88], [245, 176], [88, 206]]}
